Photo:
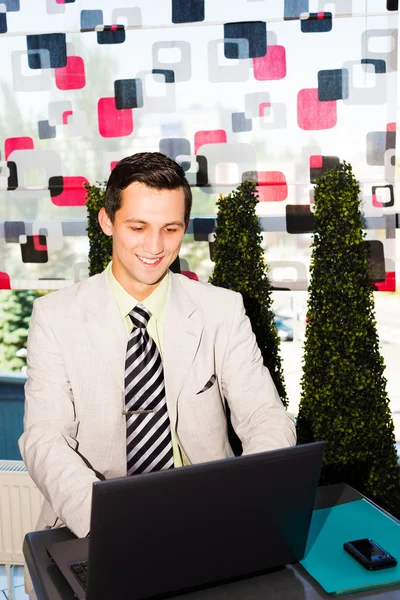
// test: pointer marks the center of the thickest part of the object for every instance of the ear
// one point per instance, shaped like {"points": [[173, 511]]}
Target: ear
{"points": [[105, 222]]}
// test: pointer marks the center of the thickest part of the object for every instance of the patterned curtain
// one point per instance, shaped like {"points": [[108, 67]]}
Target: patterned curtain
{"points": [[275, 91]]}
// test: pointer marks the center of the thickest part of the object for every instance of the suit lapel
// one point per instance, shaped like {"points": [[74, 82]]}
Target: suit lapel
{"points": [[105, 327], [182, 333]]}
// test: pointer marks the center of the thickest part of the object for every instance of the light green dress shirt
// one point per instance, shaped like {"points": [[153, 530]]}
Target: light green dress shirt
{"points": [[155, 303]]}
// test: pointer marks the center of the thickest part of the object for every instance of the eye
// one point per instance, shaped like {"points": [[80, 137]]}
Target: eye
{"points": [[172, 229], [136, 228]]}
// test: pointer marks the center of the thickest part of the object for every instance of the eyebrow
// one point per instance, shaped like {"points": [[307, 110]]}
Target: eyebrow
{"points": [[178, 223]]}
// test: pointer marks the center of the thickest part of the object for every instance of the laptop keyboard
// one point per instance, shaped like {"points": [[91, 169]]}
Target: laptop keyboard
{"points": [[80, 572]]}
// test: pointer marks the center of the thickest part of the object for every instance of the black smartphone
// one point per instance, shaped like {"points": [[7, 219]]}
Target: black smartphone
{"points": [[370, 554]]}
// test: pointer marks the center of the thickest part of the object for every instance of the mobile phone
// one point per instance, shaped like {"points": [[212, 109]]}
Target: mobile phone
{"points": [[370, 554]]}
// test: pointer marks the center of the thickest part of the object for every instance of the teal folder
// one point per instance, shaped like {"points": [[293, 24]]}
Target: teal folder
{"points": [[327, 561]]}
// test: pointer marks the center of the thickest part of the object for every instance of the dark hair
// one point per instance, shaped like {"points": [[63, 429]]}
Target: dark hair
{"points": [[153, 169]]}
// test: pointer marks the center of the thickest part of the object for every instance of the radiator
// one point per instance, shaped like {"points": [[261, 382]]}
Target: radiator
{"points": [[20, 503]]}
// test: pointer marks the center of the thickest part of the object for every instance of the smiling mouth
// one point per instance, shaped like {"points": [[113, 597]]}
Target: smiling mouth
{"points": [[149, 261]]}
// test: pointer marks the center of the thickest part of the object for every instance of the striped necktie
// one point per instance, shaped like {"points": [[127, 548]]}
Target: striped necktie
{"points": [[148, 434]]}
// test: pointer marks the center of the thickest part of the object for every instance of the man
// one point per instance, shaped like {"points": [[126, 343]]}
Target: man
{"points": [[129, 371]]}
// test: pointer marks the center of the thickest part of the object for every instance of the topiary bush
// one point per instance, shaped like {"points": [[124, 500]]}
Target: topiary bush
{"points": [[240, 266], [15, 316], [100, 245], [344, 399]]}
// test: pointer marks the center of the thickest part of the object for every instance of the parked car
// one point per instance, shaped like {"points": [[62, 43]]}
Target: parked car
{"points": [[285, 330]]}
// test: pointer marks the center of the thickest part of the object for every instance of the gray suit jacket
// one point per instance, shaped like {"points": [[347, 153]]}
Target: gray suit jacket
{"points": [[74, 430]]}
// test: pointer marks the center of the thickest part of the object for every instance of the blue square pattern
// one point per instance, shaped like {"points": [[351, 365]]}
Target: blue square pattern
{"points": [[254, 33], [12, 231], [174, 147], [240, 122], [378, 63], [317, 23], [169, 74], [128, 93], [111, 36], [11, 5], [294, 8], [47, 50], [3, 23], [333, 84], [46, 131], [91, 18], [187, 11]]}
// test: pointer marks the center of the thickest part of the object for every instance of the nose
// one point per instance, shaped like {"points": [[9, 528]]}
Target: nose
{"points": [[154, 243]]}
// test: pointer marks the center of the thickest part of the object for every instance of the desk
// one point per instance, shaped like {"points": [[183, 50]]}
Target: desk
{"points": [[291, 583]]}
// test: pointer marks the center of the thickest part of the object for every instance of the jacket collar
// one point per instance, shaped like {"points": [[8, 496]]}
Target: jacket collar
{"points": [[183, 328], [105, 326]]}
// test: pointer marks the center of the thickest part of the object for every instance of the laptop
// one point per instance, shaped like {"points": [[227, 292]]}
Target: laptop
{"points": [[159, 533]]}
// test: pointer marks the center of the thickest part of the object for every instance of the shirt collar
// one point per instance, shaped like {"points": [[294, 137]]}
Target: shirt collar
{"points": [[155, 303]]}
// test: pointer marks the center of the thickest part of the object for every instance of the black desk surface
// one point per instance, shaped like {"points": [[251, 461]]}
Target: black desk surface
{"points": [[291, 583]]}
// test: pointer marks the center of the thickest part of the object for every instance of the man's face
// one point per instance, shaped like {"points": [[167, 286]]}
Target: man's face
{"points": [[147, 234]]}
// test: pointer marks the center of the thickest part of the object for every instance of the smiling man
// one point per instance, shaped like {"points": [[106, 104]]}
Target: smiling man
{"points": [[147, 226], [132, 370]]}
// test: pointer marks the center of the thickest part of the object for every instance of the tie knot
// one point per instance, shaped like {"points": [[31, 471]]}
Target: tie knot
{"points": [[140, 316]]}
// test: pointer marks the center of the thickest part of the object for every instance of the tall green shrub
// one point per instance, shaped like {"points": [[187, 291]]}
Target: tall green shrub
{"points": [[100, 245], [15, 315], [344, 399], [240, 266]]}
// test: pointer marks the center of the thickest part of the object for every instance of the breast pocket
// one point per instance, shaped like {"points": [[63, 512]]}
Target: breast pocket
{"points": [[208, 385], [203, 411]]}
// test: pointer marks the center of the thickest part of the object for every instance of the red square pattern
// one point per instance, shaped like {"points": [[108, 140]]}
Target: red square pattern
{"points": [[190, 275], [5, 283], [313, 114], [17, 143], [316, 161], [216, 136], [272, 186], [272, 65], [65, 116], [37, 245], [389, 285], [113, 122], [262, 107], [73, 194], [72, 76], [376, 202]]}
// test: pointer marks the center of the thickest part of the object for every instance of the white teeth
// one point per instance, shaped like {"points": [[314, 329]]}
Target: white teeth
{"points": [[149, 261]]}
